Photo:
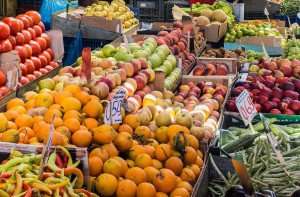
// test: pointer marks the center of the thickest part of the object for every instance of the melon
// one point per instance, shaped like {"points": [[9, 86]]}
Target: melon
{"points": [[219, 15]]}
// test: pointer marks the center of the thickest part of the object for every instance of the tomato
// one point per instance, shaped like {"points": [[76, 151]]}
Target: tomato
{"points": [[4, 90], [50, 51], [54, 64], [20, 38], [38, 30], [4, 31], [42, 42], [29, 50], [31, 77], [32, 32], [13, 24], [5, 46], [36, 48], [47, 55], [23, 69], [2, 78], [27, 35], [21, 24], [35, 16], [37, 63], [43, 70], [24, 80], [22, 52], [41, 24], [13, 41], [30, 66], [37, 74], [27, 21], [44, 60], [44, 35]]}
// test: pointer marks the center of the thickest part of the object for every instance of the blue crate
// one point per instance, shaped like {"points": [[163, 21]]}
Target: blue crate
{"points": [[272, 51], [293, 19]]}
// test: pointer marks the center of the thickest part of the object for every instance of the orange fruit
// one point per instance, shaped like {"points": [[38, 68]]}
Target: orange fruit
{"points": [[95, 166], [24, 120], [93, 109], [175, 164], [136, 150], [163, 152], [111, 149], [11, 125], [123, 164], [99, 152], [30, 104], [136, 174], [192, 141], [55, 106], [161, 134], [146, 190], [199, 162], [104, 134], [113, 166], [157, 164], [37, 119], [126, 188], [151, 173], [72, 88], [57, 122], [72, 124], [50, 114], [195, 169], [72, 114], [27, 131], [161, 194], [11, 114], [175, 128], [90, 123], [19, 109], [190, 155], [143, 160], [123, 141], [182, 192], [43, 99], [125, 128], [60, 96], [132, 120], [70, 103], [82, 96], [143, 131], [65, 131], [188, 175], [41, 130], [14, 102], [165, 181], [82, 138], [186, 185], [106, 184], [58, 139]]}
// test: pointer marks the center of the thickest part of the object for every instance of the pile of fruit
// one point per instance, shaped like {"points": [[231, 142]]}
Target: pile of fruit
{"points": [[26, 34], [252, 56], [240, 30], [204, 69], [20, 176], [292, 49], [178, 44], [223, 53], [117, 9]]}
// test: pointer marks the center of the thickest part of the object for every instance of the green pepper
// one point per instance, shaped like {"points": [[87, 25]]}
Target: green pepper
{"points": [[51, 162], [67, 153]]}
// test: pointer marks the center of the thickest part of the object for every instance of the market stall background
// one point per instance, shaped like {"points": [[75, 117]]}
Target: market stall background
{"points": [[151, 99]]}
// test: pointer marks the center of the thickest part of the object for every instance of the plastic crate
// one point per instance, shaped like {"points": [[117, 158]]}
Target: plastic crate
{"points": [[150, 10], [169, 5], [92, 43]]}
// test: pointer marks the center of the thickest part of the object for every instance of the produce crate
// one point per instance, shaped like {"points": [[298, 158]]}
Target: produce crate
{"points": [[169, 5], [8, 8], [33, 84], [232, 64], [150, 10], [155, 27], [78, 154]]}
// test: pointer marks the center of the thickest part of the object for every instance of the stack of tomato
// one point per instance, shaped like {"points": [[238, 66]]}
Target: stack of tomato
{"points": [[26, 34]]}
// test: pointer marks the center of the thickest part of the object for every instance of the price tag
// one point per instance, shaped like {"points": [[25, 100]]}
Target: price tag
{"points": [[264, 50], [243, 77], [289, 20], [112, 113], [180, 63], [246, 107], [266, 12]]}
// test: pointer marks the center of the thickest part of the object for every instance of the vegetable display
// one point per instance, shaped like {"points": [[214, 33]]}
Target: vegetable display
{"points": [[292, 49], [289, 7]]}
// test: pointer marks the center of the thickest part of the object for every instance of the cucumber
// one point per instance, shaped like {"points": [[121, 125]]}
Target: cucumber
{"points": [[245, 141]]}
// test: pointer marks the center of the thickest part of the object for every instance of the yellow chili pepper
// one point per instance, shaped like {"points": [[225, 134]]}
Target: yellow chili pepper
{"points": [[58, 185], [71, 170], [42, 187], [19, 184]]}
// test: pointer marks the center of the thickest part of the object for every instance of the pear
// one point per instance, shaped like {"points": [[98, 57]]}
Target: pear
{"points": [[163, 119]]}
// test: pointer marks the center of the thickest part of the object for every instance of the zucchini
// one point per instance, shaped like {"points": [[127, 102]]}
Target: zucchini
{"points": [[245, 141]]}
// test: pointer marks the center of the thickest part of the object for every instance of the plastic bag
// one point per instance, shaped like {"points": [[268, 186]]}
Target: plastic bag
{"points": [[74, 50]]}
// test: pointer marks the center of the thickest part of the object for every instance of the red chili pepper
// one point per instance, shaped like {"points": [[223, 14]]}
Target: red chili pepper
{"points": [[5, 175], [59, 162], [47, 175], [29, 190]]}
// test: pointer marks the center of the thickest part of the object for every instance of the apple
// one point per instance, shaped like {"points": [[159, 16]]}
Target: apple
{"points": [[46, 84]]}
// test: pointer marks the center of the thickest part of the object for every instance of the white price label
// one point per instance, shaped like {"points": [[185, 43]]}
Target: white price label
{"points": [[266, 12], [298, 15], [246, 107], [243, 77], [125, 41], [112, 113], [180, 63]]}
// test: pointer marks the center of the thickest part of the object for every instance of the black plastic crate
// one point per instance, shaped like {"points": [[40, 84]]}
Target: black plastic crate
{"points": [[169, 5], [150, 10]]}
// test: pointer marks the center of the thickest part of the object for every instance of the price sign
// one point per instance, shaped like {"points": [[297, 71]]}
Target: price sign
{"points": [[266, 12], [112, 113], [246, 107]]}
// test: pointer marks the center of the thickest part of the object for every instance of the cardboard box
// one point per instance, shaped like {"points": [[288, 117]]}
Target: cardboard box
{"points": [[213, 32]]}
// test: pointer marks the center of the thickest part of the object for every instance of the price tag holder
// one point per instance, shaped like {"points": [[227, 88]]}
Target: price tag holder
{"points": [[112, 113], [243, 77], [246, 107], [266, 12]]}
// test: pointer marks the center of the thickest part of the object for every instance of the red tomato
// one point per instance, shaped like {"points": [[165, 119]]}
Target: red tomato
{"points": [[29, 50], [4, 31], [32, 32], [42, 42], [4, 90], [47, 55], [43, 70], [31, 77], [38, 30], [36, 48], [35, 16], [30, 66], [27, 36], [2, 78], [37, 74], [22, 52], [41, 24], [24, 80], [5, 46], [49, 68], [20, 38], [44, 35], [23, 69], [13, 24], [54, 64], [37, 63], [44, 60], [13, 41], [21, 24], [26, 20]]}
